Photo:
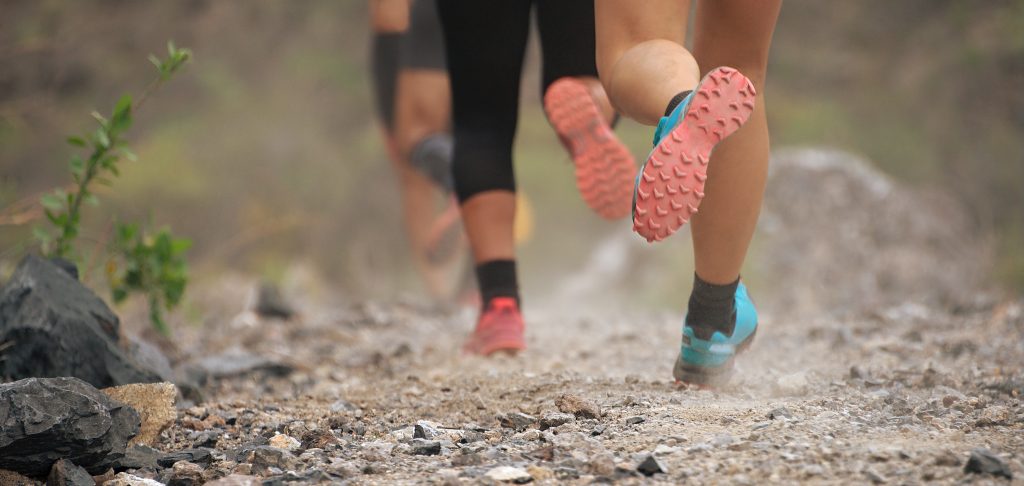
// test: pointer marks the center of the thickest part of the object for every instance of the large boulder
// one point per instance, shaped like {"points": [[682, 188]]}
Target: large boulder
{"points": [[43, 420], [52, 325]]}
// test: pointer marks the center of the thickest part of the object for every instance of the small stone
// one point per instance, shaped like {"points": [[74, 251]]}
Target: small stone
{"points": [[650, 466], [949, 400], [266, 458], [66, 473], [14, 479], [761, 425], [564, 473], [509, 474], [723, 440], [516, 420], [425, 430], [540, 473], [983, 461], [552, 420], [285, 442], [578, 406], [857, 373], [995, 415], [319, 439], [155, 404], [421, 447], [139, 457], [635, 420], [236, 480], [947, 459], [598, 430], [199, 456], [781, 412], [664, 450], [185, 473], [875, 477], [271, 303], [125, 479]]}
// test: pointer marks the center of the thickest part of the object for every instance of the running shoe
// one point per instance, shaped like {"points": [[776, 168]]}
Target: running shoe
{"points": [[670, 185], [710, 361], [500, 328], [604, 166]]}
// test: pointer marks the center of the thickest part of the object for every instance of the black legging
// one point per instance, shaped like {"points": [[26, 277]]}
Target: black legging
{"points": [[485, 41]]}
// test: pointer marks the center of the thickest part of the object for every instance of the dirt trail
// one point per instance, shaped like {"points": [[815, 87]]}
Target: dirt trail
{"points": [[915, 370]]}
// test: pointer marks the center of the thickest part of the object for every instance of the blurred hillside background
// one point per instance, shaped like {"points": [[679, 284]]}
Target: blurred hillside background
{"points": [[266, 154]]}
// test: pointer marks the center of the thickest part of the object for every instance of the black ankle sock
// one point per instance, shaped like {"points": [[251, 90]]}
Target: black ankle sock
{"points": [[497, 278], [432, 156], [712, 308], [674, 102]]}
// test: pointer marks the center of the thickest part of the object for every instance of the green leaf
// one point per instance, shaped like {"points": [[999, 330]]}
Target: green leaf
{"points": [[52, 201], [91, 200], [77, 141], [77, 166], [41, 234], [101, 137], [180, 245], [121, 119], [156, 62]]}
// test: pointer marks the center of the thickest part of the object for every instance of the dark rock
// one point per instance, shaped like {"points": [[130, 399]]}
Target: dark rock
{"points": [[424, 430], [60, 328], [319, 439], [207, 438], [66, 473], [598, 430], [635, 420], [185, 473], [66, 265], [555, 419], [237, 362], [857, 373], [651, 466], [517, 420], [43, 420], [781, 412], [138, 457], [270, 302], [198, 456], [263, 458], [420, 447], [983, 461]]}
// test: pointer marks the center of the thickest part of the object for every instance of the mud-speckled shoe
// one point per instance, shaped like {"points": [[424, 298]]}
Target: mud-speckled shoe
{"points": [[670, 185], [710, 361]]}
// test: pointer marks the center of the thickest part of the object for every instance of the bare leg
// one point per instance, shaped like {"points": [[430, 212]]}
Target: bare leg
{"points": [[643, 65], [640, 55], [735, 33], [421, 109]]}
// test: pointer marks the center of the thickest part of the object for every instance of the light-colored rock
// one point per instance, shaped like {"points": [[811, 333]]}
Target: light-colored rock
{"points": [[125, 479], [286, 442], [509, 474], [236, 480], [155, 404]]}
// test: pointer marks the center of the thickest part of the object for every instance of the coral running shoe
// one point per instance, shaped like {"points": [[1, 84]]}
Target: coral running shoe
{"points": [[710, 361], [669, 188], [500, 328], [604, 166]]}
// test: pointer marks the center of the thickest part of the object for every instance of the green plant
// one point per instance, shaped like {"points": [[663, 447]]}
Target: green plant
{"points": [[153, 266]]}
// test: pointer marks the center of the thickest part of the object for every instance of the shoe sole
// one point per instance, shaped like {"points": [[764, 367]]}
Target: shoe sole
{"points": [[604, 166], [706, 376], [670, 186]]}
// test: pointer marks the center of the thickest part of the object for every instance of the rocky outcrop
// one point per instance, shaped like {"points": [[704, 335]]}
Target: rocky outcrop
{"points": [[53, 326], [43, 420]]}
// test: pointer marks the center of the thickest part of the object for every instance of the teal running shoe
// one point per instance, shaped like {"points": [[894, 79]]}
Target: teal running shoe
{"points": [[670, 186], [710, 362]]}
